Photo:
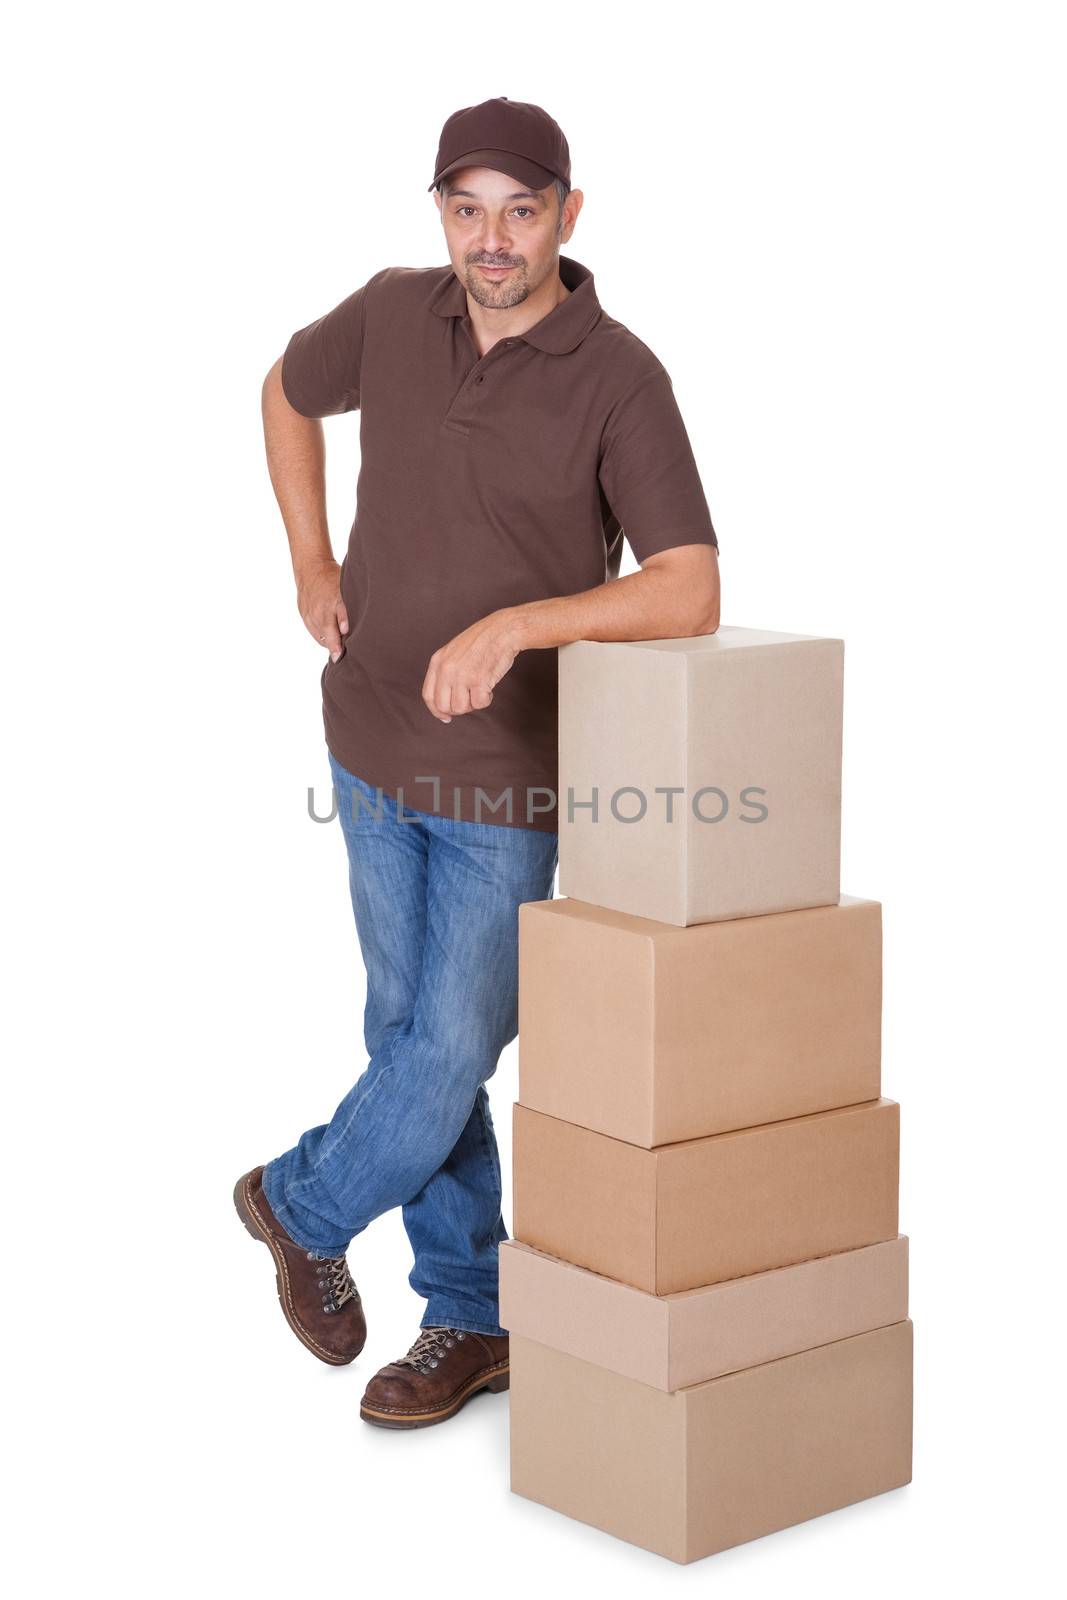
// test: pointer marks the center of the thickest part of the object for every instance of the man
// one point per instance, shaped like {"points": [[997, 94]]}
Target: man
{"points": [[511, 434]]}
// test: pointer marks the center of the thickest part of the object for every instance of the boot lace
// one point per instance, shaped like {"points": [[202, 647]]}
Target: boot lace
{"points": [[335, 1280], [429, 1348]]}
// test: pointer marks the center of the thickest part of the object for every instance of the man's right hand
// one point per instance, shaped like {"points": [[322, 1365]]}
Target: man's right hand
{"points": [[318, 595]]}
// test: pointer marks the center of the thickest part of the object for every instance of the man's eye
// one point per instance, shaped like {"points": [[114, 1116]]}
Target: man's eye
{"points": [[527, 209]]}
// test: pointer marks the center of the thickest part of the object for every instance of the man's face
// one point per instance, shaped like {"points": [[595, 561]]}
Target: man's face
{"points": [[492, 220]]}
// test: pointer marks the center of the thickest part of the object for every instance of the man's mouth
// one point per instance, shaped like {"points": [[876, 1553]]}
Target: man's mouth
{"points": [[495, 272]]}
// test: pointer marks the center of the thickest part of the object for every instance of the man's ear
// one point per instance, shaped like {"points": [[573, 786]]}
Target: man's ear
{"points": [[571, 207]]}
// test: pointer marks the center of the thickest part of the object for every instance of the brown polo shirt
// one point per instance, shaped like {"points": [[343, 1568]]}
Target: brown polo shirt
{"points": [[484, 481]]}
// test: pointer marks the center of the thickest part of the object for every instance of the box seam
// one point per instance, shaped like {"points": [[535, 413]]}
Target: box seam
{"points": [[686, 797], [686, 1533], [654, 1232], [652, 1127]]}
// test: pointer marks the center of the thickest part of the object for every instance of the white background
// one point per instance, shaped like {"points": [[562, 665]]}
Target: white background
{"points": [[840, 227]]}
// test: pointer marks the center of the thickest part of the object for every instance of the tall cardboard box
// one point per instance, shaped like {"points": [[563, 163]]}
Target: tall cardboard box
{"points": [[653, 1033], [700, 779], [709, 1466], [687, 1214]]}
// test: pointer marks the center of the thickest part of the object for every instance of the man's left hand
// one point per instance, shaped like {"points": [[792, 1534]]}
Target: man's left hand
{"points": [[463, 673]]}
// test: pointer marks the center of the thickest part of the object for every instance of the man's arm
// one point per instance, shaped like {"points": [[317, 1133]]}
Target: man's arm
{"points": [[674, 596], [296, 461], [649, 478]]}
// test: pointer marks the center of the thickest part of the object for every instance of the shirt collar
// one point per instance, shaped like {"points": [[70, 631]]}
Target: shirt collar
{"points": [[561, 330]]}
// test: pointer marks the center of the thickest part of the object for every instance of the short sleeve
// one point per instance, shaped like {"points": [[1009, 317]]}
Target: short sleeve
{"points": [[648, 472], [321, 363]]}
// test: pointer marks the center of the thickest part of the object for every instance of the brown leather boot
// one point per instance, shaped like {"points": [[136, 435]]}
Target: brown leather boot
{"points": [[320, 1301], [440, 1372]]}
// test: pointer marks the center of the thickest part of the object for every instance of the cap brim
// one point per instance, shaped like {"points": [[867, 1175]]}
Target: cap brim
{"points": [[527, 172]]}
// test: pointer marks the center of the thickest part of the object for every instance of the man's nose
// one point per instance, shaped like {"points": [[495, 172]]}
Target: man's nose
{"points": [[495, 239]]}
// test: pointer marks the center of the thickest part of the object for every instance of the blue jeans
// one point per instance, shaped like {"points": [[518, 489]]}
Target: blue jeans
{"points": [[436, 905]]}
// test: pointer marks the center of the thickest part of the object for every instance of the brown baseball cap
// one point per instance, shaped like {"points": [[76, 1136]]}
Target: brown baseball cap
{"points": [[510, 136]]}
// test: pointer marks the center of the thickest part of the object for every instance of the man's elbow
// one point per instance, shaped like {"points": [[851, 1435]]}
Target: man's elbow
{"points": [[707, 618], [706, 606], [691, 594]]}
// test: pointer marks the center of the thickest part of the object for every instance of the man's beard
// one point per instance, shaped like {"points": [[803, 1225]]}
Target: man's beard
{"points": [[509, 291]]}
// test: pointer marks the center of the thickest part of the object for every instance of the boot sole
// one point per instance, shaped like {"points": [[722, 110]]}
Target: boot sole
{"points": [[496, 1381], [250, 1218]]}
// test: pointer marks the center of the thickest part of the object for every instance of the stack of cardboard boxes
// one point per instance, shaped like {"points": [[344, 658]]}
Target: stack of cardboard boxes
{"points": [[706, 1291]]}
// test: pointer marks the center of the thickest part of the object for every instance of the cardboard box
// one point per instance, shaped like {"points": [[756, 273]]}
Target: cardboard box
{"points": [[684, 1215], [674, 1340], [745, 726], [719, 1463], [654, 1033]]}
